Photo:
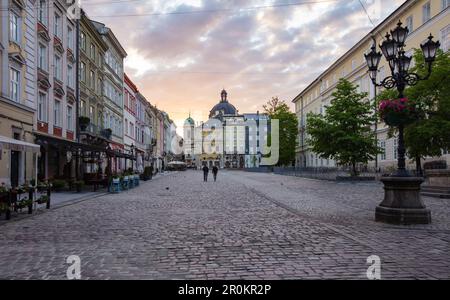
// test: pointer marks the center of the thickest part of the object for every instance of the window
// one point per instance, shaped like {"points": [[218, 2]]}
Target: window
{"points": [[57, 113], [445, 4], [410, 23], [69, 117], [92, 79], [426, 12], [57, 25], [83, 41], [83, 71], [91, 113], [57, 65], [382, 145], [69, 37], [83, 107], [445, 39], [92, 51], [14, 30], [70, 82], [42, 13], [42, 107], [42, 57], [126, 126], [15, 84]]}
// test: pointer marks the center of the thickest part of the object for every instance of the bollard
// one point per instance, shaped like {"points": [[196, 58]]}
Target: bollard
{"points": [[30, 198], [8, 210], [48, 194]]}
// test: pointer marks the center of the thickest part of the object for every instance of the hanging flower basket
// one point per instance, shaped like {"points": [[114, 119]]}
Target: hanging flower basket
{"points": [[397, 112]]}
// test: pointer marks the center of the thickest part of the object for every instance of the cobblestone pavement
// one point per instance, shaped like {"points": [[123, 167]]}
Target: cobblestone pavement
{"points": [[245, 226]]}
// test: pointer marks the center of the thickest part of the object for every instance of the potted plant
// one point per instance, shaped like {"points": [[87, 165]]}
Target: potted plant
{"points": [[43, 199], [84, 122], [106, 133], [397, 111], [58, 185], [42, 187], [24, 203], [79, 185], [3, 207]]}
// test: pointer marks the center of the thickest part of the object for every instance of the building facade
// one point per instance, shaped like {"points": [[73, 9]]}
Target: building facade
{"points": [[17, 87], [422, 18], [112, 86], [129, 115], [56, 99], [236, 146]]}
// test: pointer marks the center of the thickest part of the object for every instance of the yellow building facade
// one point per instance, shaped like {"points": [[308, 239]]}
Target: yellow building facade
{"points": [[17, 88], [422, 18]]}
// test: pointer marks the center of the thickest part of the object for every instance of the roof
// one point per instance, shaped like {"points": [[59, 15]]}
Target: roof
{"points": [[225, 107]]}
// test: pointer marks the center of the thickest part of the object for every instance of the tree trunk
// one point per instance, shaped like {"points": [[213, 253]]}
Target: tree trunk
{"points": [[354, 169], [418, 166]]}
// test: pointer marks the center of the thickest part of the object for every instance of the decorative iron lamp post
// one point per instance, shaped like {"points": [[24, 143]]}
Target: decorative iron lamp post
{"points": [[402, 203]]}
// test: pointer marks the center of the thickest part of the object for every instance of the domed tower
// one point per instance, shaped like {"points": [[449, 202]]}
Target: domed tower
{"points": [[223, 107], [189, 140]]}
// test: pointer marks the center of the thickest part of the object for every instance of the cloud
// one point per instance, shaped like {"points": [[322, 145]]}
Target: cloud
{"points": [[181, 62]]}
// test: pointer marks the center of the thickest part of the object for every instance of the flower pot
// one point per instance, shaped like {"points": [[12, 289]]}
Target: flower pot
{"points": [[396, 119]]}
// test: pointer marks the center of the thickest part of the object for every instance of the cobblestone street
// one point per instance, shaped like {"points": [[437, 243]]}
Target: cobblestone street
{"points": [[245, 226]]}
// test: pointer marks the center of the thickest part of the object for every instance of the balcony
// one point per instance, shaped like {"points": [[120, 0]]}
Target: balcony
{"points": [[96, 131]]}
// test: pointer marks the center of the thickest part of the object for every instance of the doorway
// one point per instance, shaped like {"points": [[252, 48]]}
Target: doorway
{"points": [[15, 159]]}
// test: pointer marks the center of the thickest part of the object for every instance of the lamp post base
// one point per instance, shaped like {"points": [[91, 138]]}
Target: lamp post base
{"points": [[402, 202]]}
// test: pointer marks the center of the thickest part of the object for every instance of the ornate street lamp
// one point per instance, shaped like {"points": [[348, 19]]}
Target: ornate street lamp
{"points": [[402, 202]]}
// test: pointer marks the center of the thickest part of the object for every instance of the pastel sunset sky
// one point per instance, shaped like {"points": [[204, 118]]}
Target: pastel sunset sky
{"points": [[181, 53]]}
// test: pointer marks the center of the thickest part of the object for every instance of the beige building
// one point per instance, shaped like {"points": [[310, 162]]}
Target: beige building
{"points": [[422, 18], [17, 88]]}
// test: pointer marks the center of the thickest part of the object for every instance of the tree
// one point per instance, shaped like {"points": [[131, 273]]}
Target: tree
{"points": [[343, 133], [430, 133], [288, 125]]}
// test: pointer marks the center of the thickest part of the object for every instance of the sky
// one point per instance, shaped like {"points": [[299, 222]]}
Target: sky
{"points": [[181, 54]]}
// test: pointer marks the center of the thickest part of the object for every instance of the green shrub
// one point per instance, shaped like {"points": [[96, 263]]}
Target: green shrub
{"points": [[58, 184]]}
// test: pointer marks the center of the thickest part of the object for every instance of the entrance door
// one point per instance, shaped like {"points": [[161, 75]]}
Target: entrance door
{"points": [[14, 168]]}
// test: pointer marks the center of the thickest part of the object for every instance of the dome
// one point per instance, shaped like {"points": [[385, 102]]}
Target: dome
{"points": [[223, 107], [189, 121]]}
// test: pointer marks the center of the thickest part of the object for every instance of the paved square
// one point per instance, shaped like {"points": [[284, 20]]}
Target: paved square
{"points": [[245, 226]]}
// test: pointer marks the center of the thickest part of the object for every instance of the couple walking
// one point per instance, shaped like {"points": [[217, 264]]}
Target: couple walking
{"points": [[215, 170]]}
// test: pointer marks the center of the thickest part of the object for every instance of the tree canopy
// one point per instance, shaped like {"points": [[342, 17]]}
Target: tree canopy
{"points": [[288, 125], [343, 132]]}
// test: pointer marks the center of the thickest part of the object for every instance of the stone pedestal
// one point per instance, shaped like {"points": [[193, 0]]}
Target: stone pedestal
{"points": [[402, 202], [440, 178]]}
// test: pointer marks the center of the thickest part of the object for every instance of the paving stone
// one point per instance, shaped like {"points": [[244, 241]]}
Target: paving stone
{"points": [[245, 226]]}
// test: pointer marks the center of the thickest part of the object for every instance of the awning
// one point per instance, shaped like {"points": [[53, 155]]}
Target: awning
{"points": [[16, 145]]}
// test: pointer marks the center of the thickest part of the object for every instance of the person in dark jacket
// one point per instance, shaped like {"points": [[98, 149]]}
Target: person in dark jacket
{"points": [[215, 170], [205, 173]]}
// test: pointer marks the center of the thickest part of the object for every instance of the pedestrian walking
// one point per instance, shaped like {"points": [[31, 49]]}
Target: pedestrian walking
{"points": [[205, 173], [215, 170]]}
